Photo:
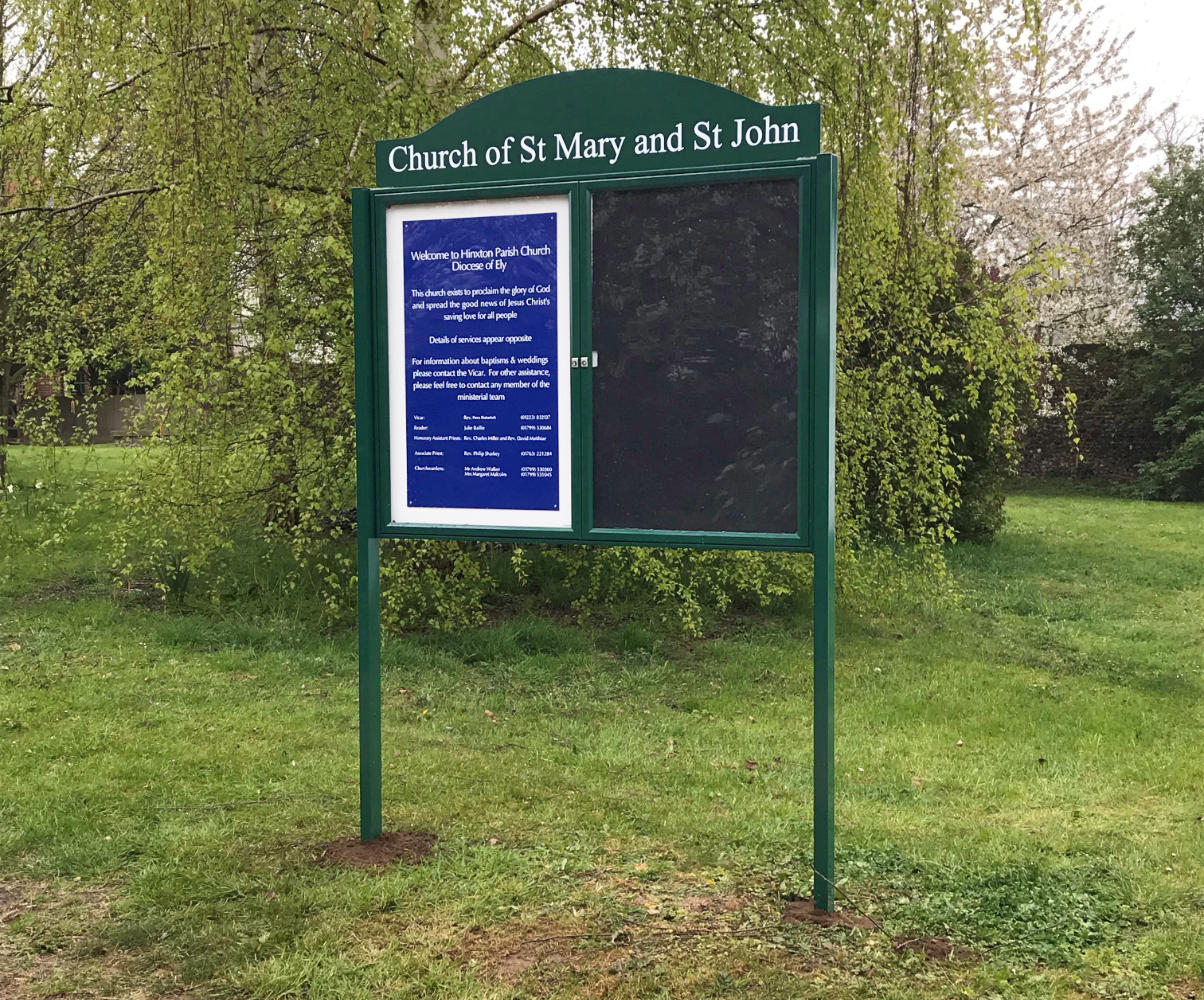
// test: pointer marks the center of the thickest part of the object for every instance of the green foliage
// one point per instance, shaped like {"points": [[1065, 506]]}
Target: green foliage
{"points": [[985, 390], [208, 155], [171, 554], [1165, 375], [1007, 908], [894, 579], [70, 265], [1028, 913], [433, 584], [688, 588], [933, 376], [446, 584]]}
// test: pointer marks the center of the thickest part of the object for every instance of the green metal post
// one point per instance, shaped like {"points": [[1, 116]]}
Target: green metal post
{"points": [[824, 508], [368, 544], [369, 650]]}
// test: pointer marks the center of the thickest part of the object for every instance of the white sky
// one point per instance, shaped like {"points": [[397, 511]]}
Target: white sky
{"points": [[1165, 51]]}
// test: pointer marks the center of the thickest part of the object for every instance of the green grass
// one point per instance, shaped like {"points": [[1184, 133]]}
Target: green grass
{"points": [[1021, 773]]}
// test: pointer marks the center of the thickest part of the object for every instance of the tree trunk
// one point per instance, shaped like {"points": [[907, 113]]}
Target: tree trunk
{"points": [[9, 375]]}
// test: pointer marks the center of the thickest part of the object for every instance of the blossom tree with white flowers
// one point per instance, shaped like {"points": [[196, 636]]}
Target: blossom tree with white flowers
{"points": [[1051, 182]]}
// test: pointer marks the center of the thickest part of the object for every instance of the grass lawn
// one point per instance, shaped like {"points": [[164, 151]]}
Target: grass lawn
{"points": [[619, 812]]}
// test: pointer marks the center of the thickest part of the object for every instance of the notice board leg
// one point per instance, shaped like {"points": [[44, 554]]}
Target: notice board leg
{"points": [[824, 498], [369, 677], [825, 744]]}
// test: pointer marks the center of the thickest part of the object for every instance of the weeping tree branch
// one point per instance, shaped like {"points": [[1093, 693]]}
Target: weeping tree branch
{"points": [[269, 29], [274, 29], [502, 37], [96, 199]]}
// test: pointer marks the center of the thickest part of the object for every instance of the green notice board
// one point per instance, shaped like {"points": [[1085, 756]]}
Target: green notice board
{"points": [[598, 307]]}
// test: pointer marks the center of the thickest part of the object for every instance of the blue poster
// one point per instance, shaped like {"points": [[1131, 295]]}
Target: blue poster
{"points": [[481, 372]]}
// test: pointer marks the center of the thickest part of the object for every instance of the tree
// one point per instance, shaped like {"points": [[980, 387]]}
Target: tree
{"points": [[232, 132], [13, 75], [927, 347], [1164, 377], [1052, 177], [71, 248]]}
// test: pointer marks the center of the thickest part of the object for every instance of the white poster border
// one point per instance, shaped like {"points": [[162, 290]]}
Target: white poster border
{"points": [[401, 513]]}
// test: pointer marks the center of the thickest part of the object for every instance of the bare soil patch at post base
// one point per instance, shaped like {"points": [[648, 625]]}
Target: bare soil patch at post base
{"points": [[804, 911], [409, 846]]}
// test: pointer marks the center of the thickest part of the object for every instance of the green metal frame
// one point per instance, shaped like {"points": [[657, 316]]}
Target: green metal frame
{"points": [[579, 194], [527, 106], [823, 512], [368, 543], [378, 351], [800, 540]]}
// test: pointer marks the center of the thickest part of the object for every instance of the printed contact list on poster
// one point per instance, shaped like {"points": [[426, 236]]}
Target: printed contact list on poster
{"points": [[481, 349]]}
